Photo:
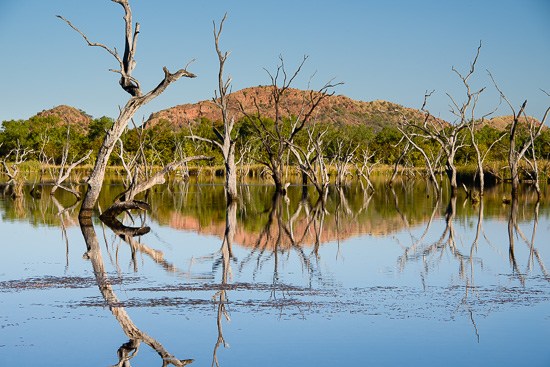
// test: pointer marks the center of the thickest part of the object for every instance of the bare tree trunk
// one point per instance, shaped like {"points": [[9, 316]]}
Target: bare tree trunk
{"points": [[397, 162], [126, 200], [231, 174], [450, 169], [138, 99], [228, 144], [277, 139], [64, 173], [277, 176], [96, 178], [515, 154], [307, 164], [514, 176]]}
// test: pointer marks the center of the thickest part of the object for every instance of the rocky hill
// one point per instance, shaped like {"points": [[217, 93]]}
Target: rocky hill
{"points": [[337, 109], [502, 122], [76, 117]]}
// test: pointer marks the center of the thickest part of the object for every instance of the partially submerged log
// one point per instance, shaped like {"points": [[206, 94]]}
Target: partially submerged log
{"points": [[471, 194], [118, 208], [126, 200]]}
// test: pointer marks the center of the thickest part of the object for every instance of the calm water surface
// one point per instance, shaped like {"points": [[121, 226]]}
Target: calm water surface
{"points": [[394, 278]]}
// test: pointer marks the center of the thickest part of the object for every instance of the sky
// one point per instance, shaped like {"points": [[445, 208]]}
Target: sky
{"points": [[393, 50]]}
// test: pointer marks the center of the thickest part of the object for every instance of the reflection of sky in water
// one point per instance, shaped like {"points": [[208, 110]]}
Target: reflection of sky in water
{"points": [[355, 303]]}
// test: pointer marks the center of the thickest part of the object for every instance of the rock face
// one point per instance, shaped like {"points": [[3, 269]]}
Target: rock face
{"points": [[76, 117], [502, 122], [336, 109]]}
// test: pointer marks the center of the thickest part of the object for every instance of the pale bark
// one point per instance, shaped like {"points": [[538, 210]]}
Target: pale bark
{"points": [[364, 168], [313, 168], [447, 136], [276, 140], [466, 114], [398, 161], [228, 143], [341, 161], [515, 154], [429, 165], [20, 155], [138, 99], [65, 172], [127, 200]]}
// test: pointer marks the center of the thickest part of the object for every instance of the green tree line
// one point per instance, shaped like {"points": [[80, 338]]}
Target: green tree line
{"points": [[162, 145]]}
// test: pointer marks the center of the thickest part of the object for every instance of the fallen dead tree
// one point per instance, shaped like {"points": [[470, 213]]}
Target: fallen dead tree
{"points": [[126, 200]]}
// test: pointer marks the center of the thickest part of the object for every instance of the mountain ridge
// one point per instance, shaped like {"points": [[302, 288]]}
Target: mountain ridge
{"points": [[337, 109]]}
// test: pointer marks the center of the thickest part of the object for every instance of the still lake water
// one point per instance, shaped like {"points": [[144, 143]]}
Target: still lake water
{"points": [[394, 278]]}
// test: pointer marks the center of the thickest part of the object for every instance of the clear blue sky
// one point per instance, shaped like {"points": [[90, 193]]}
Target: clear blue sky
{"points": [[392, 50]]}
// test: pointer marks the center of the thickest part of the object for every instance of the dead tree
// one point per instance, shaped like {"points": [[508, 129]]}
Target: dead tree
{"points": [[517, 151], [43, 159], [276, 139], [20, 155], [139, 176], [131, 85], [404, 128], [465, 113], [311, 162], [448, 136], [226, 143], [364, 167], [245, 160], [65, 172], [399, 159], [533, 164], [342, 159], [221, 297], [126, 200], [136, 336]]}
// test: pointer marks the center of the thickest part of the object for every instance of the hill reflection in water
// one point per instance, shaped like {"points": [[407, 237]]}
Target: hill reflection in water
{"points": [[284, 280]]}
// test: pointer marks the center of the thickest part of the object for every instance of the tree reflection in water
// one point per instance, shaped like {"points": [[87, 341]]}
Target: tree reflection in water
{"points": [[127, 350], [226, 256], [276, 234], [513, 226]]}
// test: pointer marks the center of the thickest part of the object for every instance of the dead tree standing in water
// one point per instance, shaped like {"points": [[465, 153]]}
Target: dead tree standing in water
{"points": [[64, 171], [226, 143], [137, 99], [448, 136], [466, 114], [277, 139], [516, 153]]}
